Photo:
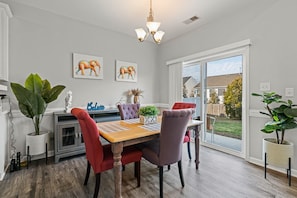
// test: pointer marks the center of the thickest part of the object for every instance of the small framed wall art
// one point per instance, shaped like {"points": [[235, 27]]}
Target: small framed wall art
{"points": [[87, 66], [126, 71]]}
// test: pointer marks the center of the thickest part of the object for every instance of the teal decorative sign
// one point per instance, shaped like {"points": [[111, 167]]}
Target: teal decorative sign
{"points": [[94, 107]]}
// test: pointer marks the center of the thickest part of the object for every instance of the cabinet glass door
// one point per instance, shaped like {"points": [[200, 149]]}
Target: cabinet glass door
{"points": [[68, 136]]}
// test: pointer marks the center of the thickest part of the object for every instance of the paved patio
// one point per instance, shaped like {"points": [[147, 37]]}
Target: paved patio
{"points": [[227, 142]]}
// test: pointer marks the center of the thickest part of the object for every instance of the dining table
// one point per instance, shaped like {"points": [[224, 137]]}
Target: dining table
{"points": [[124, 133]]}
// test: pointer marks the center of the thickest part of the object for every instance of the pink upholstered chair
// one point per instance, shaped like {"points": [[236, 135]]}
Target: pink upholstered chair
{"points": [[128, 111], [187, 138], [167, 149], [100, 156]]}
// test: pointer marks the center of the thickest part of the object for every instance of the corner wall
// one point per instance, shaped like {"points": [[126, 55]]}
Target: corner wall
{"points": [[270, 25]]}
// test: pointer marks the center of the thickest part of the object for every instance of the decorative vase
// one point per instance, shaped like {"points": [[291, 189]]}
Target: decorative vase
{"points": [[148, 119], [37, 143], [136, 99], [277, 154]]}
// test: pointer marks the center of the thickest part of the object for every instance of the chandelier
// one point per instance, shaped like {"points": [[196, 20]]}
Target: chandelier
{"points": [[152, 29]]}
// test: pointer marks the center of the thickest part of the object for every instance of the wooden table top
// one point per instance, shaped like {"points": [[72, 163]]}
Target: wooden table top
{"points": [[124, 130]]}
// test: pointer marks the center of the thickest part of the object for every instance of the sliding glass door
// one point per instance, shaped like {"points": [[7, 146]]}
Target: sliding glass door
{"points": [[216, 85], [223, 103]]}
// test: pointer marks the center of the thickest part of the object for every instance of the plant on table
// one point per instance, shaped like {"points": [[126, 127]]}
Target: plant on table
{"points": [[148, 111]]}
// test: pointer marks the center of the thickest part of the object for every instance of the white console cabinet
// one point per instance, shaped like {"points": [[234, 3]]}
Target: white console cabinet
{"points": [[5, 14]]}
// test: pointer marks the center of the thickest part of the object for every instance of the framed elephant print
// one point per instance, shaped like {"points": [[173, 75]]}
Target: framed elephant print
{"points": [[87, 66], [126, 71]]}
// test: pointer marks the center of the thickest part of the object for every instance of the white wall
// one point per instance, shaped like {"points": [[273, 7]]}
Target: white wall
{"points": [[41, 42], [270, 25]]}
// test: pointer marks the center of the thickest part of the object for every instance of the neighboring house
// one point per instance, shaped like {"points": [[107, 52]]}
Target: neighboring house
{"points": [[219, 85], [189, 84]]}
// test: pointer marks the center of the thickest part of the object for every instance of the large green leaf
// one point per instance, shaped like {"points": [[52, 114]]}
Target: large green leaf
{"points": [[30, 104], [291, 112], [52, 94], [34, 83]]}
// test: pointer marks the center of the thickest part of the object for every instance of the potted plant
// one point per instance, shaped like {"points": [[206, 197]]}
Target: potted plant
{"points": [[282, 115], [148, 114], [33, 99]]}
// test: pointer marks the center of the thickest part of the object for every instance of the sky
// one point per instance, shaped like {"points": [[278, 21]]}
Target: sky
{"points": [[225, 66]]}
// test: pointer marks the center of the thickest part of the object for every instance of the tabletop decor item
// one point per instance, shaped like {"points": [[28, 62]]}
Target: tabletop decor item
{"points": [[94, 107], [68, 101], [148, 114], [136, 93], [278, 151], [33, 99]]}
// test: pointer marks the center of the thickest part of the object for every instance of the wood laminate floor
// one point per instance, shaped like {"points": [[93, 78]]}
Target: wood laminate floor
{"points": [[219, 176]]}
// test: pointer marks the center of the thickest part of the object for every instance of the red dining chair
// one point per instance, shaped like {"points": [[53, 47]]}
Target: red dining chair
{"points": [[187, 138], [99, 156], [128, 111], [167, 149]]}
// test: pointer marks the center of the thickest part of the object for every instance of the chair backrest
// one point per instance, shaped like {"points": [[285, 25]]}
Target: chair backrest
{"points": [[128, 111], [173, 128], [94, 149], [183, 105]]}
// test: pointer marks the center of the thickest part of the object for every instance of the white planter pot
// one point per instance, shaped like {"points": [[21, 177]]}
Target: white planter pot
{"points": [[148, 119], [278, 154], [37, 143]]}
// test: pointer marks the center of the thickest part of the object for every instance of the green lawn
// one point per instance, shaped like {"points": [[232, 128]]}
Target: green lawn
{"points": [[228, 127]]}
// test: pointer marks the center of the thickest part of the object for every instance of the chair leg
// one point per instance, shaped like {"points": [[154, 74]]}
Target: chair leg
{"points": [[161, 180], [168, 167], [97, 185], [189, 150], [87, 173], [137, 172], [180, 170]]}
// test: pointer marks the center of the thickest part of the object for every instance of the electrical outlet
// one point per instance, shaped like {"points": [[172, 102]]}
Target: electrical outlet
{"points": [[289, 92], [265, 86]]}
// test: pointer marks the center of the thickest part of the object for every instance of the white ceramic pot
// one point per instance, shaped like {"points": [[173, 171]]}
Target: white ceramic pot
{"points": [[148, 119], [37, 143], [278, 154]]}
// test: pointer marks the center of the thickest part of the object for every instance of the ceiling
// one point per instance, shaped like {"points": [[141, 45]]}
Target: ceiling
{"points": [[125, 15]]}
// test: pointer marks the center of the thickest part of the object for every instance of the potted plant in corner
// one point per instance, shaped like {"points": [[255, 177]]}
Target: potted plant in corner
{"points": [[33, 99], [148, 114], [277, 151]]}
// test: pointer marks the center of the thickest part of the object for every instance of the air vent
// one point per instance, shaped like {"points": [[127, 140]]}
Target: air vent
{"points": [[191, 20]]}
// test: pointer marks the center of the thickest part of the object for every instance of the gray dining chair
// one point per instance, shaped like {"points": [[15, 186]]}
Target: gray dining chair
{"points": [[128, 111], [167, 149]]}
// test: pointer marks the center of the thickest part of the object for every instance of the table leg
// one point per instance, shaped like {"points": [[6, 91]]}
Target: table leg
{"points": [[197, 145], [117, 149]]}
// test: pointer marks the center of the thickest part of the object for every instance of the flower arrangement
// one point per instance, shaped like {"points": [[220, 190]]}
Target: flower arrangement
{"points": [[135, 92]]}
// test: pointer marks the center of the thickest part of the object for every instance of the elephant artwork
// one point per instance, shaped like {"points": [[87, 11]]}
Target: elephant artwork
{"points": [[126, 71], [129, 71], [92, 64], [87, 66]]}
